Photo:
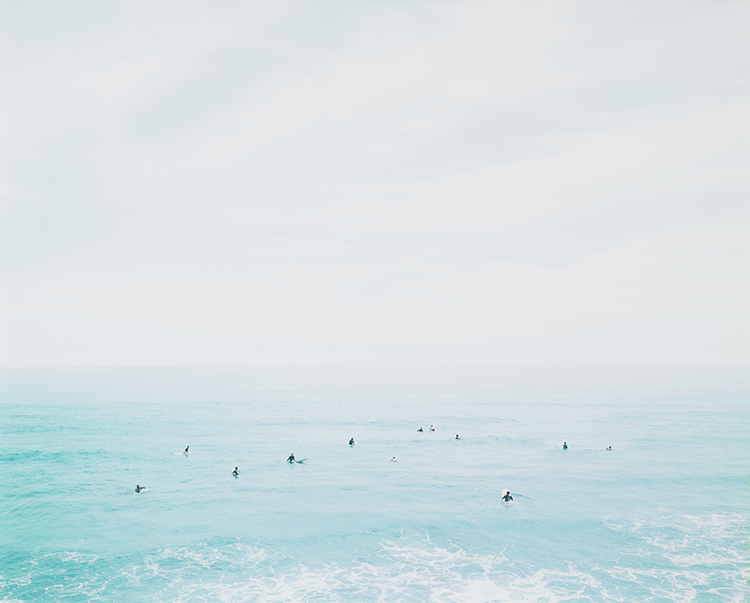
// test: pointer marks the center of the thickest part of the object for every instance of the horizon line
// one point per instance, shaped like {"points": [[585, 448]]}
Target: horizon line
{"points": [[368, 366]]}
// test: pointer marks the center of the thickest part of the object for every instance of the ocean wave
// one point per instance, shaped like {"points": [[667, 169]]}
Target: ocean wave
{"points": [[411, 568], [419, 571], [687, 557]]}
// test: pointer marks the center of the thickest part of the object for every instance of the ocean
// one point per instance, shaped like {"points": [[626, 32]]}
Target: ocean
{"points": [[663, 516]]}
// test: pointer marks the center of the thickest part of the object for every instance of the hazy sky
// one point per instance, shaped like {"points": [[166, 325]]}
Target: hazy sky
{"points": [[386, 183]]}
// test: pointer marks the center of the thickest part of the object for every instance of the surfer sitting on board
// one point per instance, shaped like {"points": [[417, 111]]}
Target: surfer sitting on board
{"points": [[565, 445], [235, 472], [291, 458], [393, 459], [432, 428], [139, 489], [351, 442], [186, 450], [506, 497], [457, 437], [420, 430]]}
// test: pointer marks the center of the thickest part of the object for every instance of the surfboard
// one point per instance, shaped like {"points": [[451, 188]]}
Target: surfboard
{"points": [[300, 461]]}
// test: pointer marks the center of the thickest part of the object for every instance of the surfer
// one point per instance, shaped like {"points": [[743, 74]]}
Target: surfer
{"points": [[420, 430], [186, 450], [507, 497], [458, 437], [608, 448], [139, 489], [393, 459], [351, 442], [432, 428], [291, 458], [565, 445], [236, 472]]}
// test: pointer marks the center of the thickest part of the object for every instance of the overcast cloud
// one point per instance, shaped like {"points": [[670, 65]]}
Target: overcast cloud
{"points": [[388, 183]]}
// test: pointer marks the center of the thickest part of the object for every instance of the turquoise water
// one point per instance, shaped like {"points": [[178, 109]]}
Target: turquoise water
{"points": [[664, 516]]}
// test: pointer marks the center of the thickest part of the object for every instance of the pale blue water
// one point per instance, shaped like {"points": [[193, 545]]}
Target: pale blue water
{"points": [[663, 517]]}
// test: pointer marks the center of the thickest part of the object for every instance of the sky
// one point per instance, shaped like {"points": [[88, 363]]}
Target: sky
{"points": [[374, 183]]}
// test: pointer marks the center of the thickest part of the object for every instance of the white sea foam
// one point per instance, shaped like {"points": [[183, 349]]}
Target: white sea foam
{"points": [[417, 571], [703, 554]]}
